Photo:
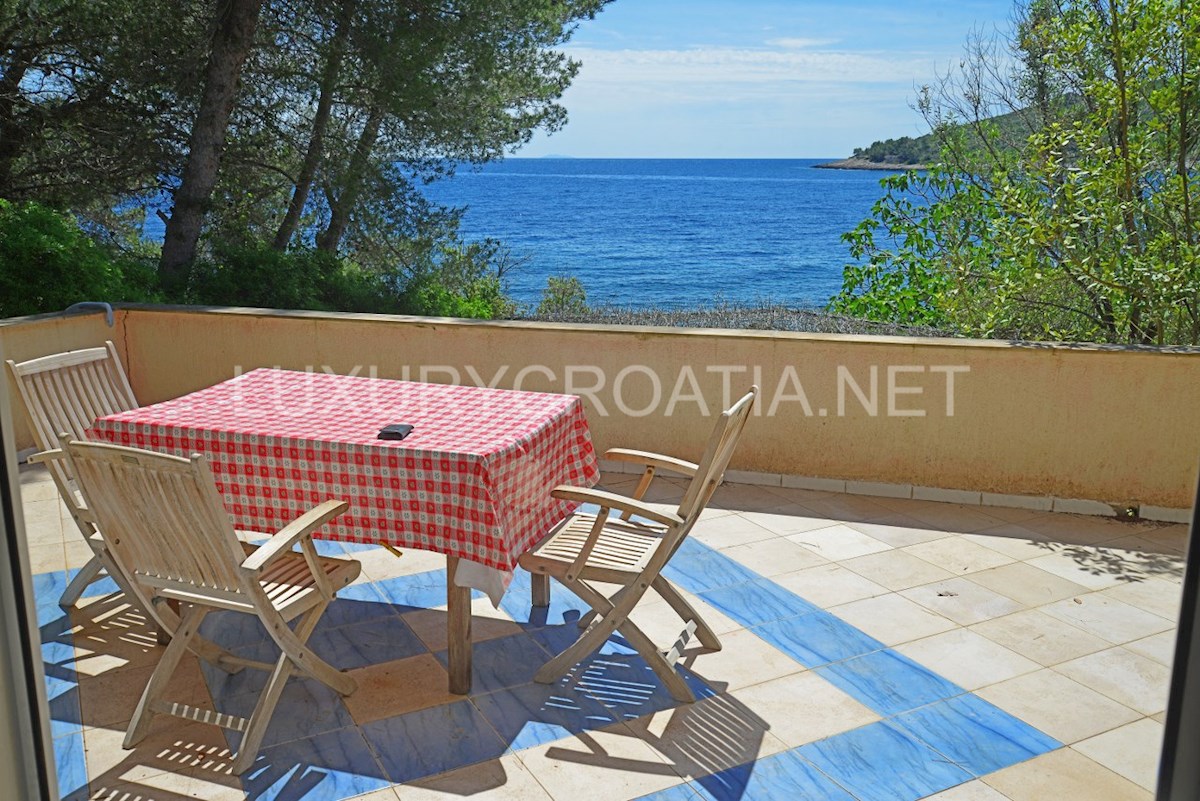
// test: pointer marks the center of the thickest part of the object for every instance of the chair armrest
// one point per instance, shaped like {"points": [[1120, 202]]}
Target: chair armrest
{"points": [[286, 537], [609, 500], [656, 460], [46, 456]]}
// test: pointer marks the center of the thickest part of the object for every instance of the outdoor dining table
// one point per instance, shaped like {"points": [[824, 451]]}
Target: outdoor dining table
{"points": [[472, 480]]}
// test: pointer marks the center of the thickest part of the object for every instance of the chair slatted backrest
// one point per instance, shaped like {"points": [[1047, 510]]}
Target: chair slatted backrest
{"points": [[64, 393], [721, 444], [161, 516]]}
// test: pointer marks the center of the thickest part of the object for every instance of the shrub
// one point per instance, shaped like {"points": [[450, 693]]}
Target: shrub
{"points": [[563, 296]]}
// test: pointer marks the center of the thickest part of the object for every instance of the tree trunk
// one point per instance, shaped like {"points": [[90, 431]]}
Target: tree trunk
{"points": [[231, 44], [340, 209], [312, 157]]}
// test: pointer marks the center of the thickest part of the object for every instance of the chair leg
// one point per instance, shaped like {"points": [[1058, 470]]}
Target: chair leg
{"points": [[86, 575], [706, 636], [666, 671], [596, 633], [139, 726], [260, 719]]}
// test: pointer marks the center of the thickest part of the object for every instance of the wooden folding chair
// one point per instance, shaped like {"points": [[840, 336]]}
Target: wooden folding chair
{"points": [[168, 529], [631, 551], [66, 392]]}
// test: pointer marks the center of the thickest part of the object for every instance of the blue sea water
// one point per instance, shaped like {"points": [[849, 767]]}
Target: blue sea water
{"points": [[668, 232]]}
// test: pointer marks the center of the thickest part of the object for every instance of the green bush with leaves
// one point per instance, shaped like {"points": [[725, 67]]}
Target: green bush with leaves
{"points": [[563, 296], [1081, 223], [47, 264]]}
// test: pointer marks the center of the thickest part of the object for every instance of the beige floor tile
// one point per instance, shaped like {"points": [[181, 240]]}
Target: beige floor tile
{"points": [[385, 794], [892, 619], [958, 555], [962, 601], [1154, 595], [608, 763], [774, 556], [174, 748], [829, 585], [788, 520], [968, 659], [78, 553], [839, 542], [1083, 564], [746, 498], [47, 558], [731, 530], [745, 660], [803, 708], [1064, 775], [948, 517], [895, 569], [717, 620], [393, 688], [503, 779], [379, 563], [1131, 751], [171, 787], [1038, 636], [1108, 618], [43, 532], [36, 484], [1159, 647], [971, 791], [109, 699], [1027, 585], [708, 736], [900, 531], [1011, 539], [1131, 679], [848, 508], [1076, 713], [1084, 529]]}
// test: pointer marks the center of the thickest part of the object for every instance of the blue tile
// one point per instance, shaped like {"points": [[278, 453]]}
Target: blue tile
{"points": [[533, 714], [975, 735], [356, 547], [70, 766], [780, 776], [65, 714], [233, 630], [888, 683], [418, 590], [503, 662], [306, 708], [328, 767], [432, 741], [99, 588], [565, 606], [817, 639], [346, 611], [881, 763], [754, 602], [47, 589], [697, 568], [556, 639], [370, 643]]}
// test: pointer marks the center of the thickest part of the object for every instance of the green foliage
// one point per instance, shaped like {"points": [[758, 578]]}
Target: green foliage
{"points": [[563, 296], [47, 263], [905, 150], [1083, 228], [459, 280]]}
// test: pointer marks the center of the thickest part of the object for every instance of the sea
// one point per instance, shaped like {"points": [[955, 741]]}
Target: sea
{"points": [[668, 232]]}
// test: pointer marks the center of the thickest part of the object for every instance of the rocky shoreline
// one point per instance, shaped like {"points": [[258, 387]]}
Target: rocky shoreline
{"points": [[863, 164]]}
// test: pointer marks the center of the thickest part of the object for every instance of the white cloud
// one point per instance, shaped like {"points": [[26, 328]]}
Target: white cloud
{"points": [[796, 43]]}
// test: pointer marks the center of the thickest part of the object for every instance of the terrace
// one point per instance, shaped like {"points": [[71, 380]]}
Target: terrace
{"points": [[956, 635]]}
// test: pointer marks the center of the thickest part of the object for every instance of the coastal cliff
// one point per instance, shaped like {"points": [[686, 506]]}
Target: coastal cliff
{"points": [[864, 164]]}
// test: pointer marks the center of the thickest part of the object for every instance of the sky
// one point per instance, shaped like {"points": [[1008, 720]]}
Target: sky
{"points": [[757, 78]]}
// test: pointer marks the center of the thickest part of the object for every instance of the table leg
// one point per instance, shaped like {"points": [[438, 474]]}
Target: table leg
{"points": [[541, 589], [458, 602]]}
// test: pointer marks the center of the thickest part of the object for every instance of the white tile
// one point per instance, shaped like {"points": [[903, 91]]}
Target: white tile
{"points": [[793, 519], [1040, 637], [1130, 679], [1076, 713], [968, 659], [958, 555], [1154, 595], [1107, 618], [895, 569], [971, 791], [774, 556], [1064, 775], [803, 708], [962, 601], [730, 530], [829, 585], [1027, 584], [1159, 647], [892, 619], [503, 779], [744, 660], [1131, 751], [900, 531], [610, 763], [1090, 566], [838, 542]]}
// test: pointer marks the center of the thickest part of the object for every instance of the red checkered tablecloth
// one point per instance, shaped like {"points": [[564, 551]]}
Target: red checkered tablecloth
{"points": [[472, 480]]}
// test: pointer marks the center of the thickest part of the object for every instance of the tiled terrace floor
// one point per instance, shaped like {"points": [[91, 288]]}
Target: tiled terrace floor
{"points": [[874, 649]]}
